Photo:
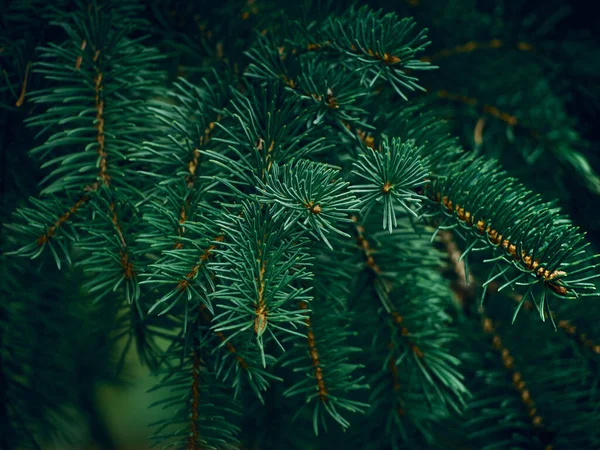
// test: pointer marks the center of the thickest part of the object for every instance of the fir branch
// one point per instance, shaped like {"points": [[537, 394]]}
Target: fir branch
{"points": [[386, 291], [561, 145], [381, 45], [246, 366], [61, 220], [182, 266], [328, 375], [202, 415], [466, 295], [309, 194], [314, 354], [266, 126], [255, 292], [493, 111], [392, 174], [508, 362], [524, 233]]}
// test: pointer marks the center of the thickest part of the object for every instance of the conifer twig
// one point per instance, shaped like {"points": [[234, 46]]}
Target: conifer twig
{"points": [[496, 238], [207, 317], [519, 384], [314, 355], [62, 220], [466, 293], [99, 104], [371, 263]]}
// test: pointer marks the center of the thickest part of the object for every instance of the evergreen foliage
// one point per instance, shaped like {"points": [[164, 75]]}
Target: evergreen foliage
{"points": [[267, 205]]}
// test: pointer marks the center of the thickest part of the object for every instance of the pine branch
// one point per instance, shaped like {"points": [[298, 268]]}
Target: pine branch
{"points": [[255, 293], [328, 375], [310, 195], [202, 414], [392, 175], [415, 354], [524, 234]]}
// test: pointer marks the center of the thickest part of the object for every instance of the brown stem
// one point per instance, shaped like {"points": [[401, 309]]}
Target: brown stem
{"points": [[496, 238], [207, 317], [125, 258], [185, 283], [62, 220], [99, 105], [80, 57], [518, 382], [314, 355], [21, 98]]}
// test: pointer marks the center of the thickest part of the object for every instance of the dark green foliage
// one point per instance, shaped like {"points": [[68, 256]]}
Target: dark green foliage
{"points": [[380, 43], [393, 174], [533, 245], [259, 267], [202, 414], [309, 193], [265, 231], [324, 354]]}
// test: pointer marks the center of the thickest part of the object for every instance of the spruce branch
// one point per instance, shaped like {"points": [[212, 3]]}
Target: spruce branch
{"points": [[529, 240], [310, 194], [419, 354], [552, 134], [508, 362], [329, 376], [182, 265], [87, 93], [202, 413], [392, 174], [266, 126], [381, 45], [257, 268]]}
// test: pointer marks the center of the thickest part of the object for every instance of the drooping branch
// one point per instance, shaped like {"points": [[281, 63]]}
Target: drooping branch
{"points": [[519, 384], [371, 263], [466, 293], [510, 248]]}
